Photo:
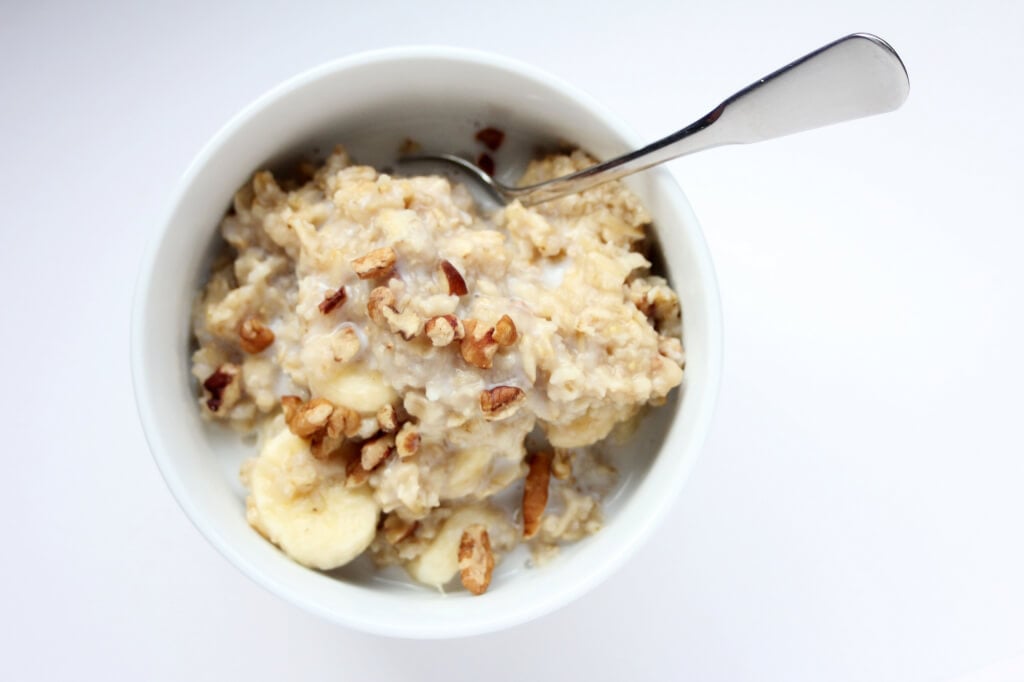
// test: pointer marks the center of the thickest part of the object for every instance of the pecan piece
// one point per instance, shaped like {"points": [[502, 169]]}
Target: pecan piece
{"points": [[456, 285], [501, 402], [375, 264], [397, 529], [478, 349], [505, 331], [491, 138], [407, 442], [476, 560], [387, 418], [355, 474], [444, 329], [222, 386], [381, 299], [323, 444], [309, 419], [535, 492], [332, 300], [253, 336], [344, 421], [376, 450], [345, 344]]}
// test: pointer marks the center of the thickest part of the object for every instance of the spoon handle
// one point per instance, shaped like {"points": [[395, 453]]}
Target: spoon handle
{"points": [[856, 76]]}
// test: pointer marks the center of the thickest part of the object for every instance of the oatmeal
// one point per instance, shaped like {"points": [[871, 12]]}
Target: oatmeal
{"points": [[393, 350]]}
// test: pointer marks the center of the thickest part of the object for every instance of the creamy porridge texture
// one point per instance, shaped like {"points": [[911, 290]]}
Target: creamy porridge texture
{"points": [[393, 350]]}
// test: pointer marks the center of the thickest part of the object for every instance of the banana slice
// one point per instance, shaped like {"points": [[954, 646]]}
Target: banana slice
{"points": [[440, 561], [303, 506]]}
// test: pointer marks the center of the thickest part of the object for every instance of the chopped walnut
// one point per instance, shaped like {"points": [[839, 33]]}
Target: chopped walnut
{"points": [[224, 387], [478, 347], [476, 560], [377, 264], [253, 336], [535, 492], [501, 402], [332, 300], [444, 329], [505, 331], [376, 450], [561, 464], [387, 418], [397, 529], [456, 285], [308, 419], [407, 442]]}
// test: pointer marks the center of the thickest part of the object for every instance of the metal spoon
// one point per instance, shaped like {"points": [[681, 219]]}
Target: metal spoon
{"points": [[856, 76]]}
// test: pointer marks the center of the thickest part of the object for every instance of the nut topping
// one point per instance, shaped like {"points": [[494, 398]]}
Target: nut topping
{"points": [[476, 560], [456, 285], [306, 420], [535, 492], [387, 418], [355, 474], [407, 442], [333, 300], [344, 421], [253, 336], [381, 299], [376, 264], [444, 329], [501, 402], [376, 450], [505, 331], [478, 348], [223, 389]]}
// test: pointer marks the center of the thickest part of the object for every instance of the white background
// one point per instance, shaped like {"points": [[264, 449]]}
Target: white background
{"points": [[857, 511]]}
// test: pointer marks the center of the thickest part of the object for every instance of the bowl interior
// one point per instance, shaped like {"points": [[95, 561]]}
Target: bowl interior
{"points": [[371, 104]]}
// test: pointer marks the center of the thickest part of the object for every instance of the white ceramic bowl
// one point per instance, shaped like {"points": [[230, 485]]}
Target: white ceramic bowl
{"points": [[371, 102]]}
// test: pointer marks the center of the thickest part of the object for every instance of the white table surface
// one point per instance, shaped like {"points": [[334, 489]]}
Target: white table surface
{"points": [[857, 511]]}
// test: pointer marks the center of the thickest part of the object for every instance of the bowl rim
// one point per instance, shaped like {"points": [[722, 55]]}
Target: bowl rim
{"points": [[657, 511]]}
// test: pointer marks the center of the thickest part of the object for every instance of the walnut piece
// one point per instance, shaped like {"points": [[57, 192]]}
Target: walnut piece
{"points": [[376, 450], [476, 560], [224, 387], [397, 529], [253, 336], [306, 420], [501, 402], [323, 444], [332, 300], [535, 492], [444, 329], [376, 264], [505, 331], [387, 418], [407, 442], [478, 346], [456, 285]]}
